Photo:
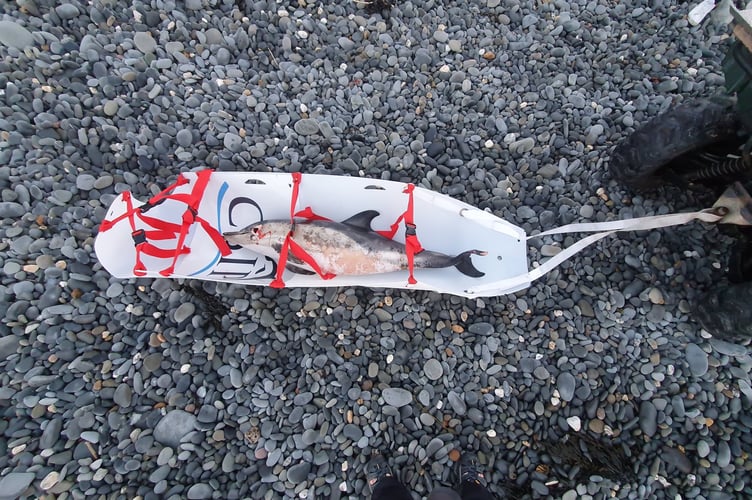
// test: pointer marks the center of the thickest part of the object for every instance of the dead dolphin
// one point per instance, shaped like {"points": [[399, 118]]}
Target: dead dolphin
{"points": [[344, 248]]}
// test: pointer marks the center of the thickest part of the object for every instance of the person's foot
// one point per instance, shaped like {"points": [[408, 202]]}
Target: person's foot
{"points": [[470, 470], [376, 470]]}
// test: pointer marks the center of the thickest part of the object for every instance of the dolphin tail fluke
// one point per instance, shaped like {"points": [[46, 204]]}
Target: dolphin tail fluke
{"points": [[464, 264]]}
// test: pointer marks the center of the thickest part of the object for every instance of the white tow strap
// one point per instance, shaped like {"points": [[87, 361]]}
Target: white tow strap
{"points": [[609, 228], [602, 230]]}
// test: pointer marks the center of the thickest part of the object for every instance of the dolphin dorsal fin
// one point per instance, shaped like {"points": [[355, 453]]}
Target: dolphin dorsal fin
{"points": [[362, 220]]}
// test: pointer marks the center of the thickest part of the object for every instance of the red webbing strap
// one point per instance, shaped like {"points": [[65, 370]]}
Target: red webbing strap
{"points": [[165, 230], [193, 200], [106, 225], [389, 233], [412, 245], [309, 214], [278, 282], [300, 253]]}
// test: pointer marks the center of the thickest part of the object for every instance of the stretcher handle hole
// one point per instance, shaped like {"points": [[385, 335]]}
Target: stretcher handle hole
{"points": [[372, 186], [255, 181]]}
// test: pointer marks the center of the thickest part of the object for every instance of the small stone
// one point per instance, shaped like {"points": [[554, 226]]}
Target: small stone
{"points": [[233, 142], [345, 43], [549, 250], [596, 425], [352, 432], [306, 126], [648, 418], [110, 108], [433, 369], [575, 423], [697, 359], [457, 403], [299, 472], [184, 138], [676, 458], [50, 480], [397, 397], [123, 395], [144, 42], [12, 485], [90, 436], [66, 11], [433, 446], [427, 419], [586, 211], [566, 385], [184, 311], [655, 296], [481, 328], [173, 427], [521, 146], [207, 414], [51, 433], [703, 449], [200, 491], [228, 463], [8, 345], [724, 455], [13, 34]]}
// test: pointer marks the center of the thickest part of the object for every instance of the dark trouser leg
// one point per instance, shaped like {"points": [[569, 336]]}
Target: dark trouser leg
{"points": [[474, 491], [389, 488], [442, 493]]}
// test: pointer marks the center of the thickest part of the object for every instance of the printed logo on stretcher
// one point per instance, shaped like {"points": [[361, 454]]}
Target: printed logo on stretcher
{"points": [[183, 232]]}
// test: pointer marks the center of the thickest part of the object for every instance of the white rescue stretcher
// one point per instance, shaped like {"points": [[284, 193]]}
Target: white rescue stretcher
{"points": [[178, 232]]}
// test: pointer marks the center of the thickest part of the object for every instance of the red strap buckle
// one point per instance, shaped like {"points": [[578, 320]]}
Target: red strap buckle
{"points": [[139, 237]]}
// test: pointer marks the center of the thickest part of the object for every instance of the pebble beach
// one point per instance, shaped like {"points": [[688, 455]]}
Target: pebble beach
{"points": [[170, 389]]}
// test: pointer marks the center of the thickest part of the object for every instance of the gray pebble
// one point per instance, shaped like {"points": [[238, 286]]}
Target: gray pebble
{"points": [[233, 142], [648, 418], [457, 402], [481, 328], [13, 34], [566, 384], [123, 395], [200, 491], [676, 458], [306, 126], [397, 397], [433, 369], [14, 484], [299, 472], [173, 427], [8, 346], [697, 359], [144, 42], [184, 137], [11, 209], [184, 311], [67, 11]]}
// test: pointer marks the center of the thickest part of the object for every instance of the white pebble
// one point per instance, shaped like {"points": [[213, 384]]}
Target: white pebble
{"points": [[575, 423], [50, 480]]}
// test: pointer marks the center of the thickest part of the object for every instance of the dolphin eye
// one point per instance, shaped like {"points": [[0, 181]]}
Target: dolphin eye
{"points": [[255, 231]]}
